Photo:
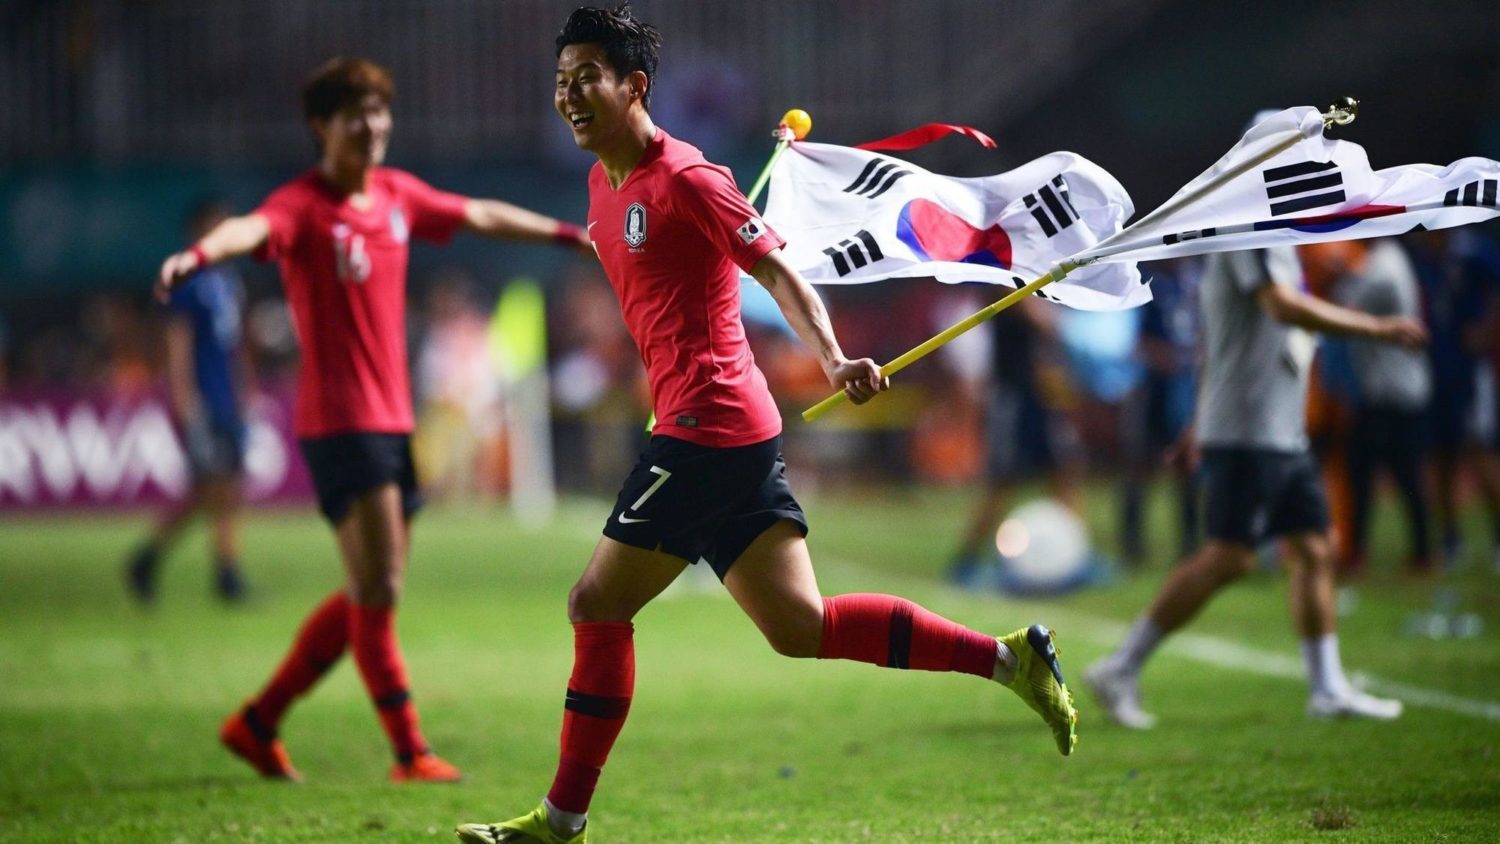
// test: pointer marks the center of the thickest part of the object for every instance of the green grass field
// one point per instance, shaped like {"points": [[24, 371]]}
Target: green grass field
{"points": [[108, 714]]}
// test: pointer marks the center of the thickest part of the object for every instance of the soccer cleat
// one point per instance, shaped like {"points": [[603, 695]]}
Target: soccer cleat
{"points": [[229, 583], [528, 828], [1118, 695], [265, 754], [425, 767], [1039, 682], [140, 575], [1353, 703]]}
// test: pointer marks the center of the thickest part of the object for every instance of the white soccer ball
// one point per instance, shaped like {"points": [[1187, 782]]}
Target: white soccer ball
{"points": [[1043, 546]]}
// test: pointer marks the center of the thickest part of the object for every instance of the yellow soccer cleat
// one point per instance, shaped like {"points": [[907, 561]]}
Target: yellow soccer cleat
{"points": [[527, 829], [1039, 682]]}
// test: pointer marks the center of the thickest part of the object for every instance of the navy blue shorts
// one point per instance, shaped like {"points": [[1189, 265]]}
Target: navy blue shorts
{"points": [[214, 449], [1025, 437], [696, 502], [346, 466], [1252, 495]]}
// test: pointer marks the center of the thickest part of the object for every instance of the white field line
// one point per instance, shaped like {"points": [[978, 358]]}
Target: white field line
{"points": [[1223, 653]]}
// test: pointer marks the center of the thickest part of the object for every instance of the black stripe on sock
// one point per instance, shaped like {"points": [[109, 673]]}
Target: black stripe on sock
{"points": [[596, 706], [257, 727], [393, 700], [898, 654]]}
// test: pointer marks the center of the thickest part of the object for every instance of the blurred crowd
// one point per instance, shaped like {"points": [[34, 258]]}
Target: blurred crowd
{"points": [[1106, 395]]}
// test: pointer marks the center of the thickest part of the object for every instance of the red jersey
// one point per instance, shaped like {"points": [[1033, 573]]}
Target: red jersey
{"points": [[344, 273], [670, 238]]}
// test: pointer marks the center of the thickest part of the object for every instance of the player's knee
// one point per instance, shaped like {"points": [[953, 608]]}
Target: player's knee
{"points": [[798, 634], [1228, 563], [380, 591], [587, 602]]}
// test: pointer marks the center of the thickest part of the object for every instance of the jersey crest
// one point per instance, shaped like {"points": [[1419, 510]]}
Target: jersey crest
{"points": [[635, 225]]}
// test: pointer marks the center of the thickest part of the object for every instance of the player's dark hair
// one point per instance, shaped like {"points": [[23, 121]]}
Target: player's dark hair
{"points": [[343, 82], [629, 43]]}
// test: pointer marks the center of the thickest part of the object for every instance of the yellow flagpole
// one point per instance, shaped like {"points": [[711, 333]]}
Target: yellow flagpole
{"points": [[932, 344]]}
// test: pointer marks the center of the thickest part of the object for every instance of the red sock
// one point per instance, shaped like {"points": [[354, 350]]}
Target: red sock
{"points": [[372, 631], [598, 700], [895, 633], [318, 646]]}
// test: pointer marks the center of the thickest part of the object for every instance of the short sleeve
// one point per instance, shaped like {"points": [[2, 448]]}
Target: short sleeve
{"points": [[434, 214], [280, 211], [711, 201], [1252, 269]]}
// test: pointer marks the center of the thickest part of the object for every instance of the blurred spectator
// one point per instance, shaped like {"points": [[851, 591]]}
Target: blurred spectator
{"points": [[457, 390], [207, 387], [1392, 387], [1156, 413], [1457, 270]]}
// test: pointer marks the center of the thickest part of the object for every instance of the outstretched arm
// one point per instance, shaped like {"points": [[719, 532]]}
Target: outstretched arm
{"points": [[859, 379], [494, 218], [231, 238], [1297, 308]]}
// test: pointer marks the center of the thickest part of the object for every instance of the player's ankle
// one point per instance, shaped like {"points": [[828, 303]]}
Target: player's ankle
{"points": [[1005, 664], [564, 824]]}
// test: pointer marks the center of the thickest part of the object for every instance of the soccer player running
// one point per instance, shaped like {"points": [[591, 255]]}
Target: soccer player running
{"points": [[206, 379], [340, 233], [670, 229], [1260, 481]]}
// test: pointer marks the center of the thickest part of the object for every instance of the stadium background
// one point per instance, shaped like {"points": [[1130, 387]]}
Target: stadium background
{"points": [[115, 116]]}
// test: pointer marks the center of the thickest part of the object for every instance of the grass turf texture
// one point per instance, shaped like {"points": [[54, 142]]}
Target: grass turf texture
{"points": [[108, 714]]}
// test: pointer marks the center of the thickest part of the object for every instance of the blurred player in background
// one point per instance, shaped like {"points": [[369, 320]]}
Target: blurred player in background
{"points": [[1160, 409], [340, 233], [1260, 481], [1025, 435], [1392, 388], [207, 369], [670, 229], [1458, 270]]}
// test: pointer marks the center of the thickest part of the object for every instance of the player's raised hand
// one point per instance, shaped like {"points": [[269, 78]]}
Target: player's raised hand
{"points": [[179, 265], [859, 379]]}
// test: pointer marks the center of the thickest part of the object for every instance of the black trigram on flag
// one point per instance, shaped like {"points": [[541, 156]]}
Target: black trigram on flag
{"points": [[1478, 192], [1299, 187], [1051, 207], [877, 178], [848, 256]]}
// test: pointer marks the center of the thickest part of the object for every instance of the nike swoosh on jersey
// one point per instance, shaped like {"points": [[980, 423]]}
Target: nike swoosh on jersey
{"points": [[626, 520]]}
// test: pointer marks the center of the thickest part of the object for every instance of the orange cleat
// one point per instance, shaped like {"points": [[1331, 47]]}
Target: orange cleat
{"points": [[266, 755], [425, 767]]}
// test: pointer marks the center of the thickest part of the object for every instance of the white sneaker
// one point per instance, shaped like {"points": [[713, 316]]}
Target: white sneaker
{"points": [[1118, 695], [1352, 704]]}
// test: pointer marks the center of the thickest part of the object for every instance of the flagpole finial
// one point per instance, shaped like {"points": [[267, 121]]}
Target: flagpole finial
{"points": [[1341, 113], [795, 125]]}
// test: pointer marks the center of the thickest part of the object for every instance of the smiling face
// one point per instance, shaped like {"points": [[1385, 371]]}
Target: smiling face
{"points": [[596, 101], [355, 138]]}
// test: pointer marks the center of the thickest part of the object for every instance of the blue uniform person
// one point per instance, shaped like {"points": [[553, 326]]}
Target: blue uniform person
{"points": [[206, 376]]}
